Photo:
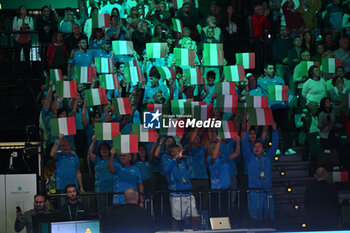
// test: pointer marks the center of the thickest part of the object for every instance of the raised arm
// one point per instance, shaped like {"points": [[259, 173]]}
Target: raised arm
{"points": [[48, 97], [92, 155], [238, 148], [111, 168], [83, 114], [55, 147]]}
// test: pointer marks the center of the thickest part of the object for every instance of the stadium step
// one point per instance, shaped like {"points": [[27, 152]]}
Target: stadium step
{"points": [[278, 165], [290, 158], [291, 173]]}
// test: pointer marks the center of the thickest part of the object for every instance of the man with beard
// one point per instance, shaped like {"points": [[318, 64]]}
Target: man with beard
{"points": [[25, 220], [73, 210]]}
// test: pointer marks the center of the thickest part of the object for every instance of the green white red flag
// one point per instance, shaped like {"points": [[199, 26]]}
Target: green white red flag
{"points": [[234, 73], [247, 60], [101, 20], [123, 47], [189, 107], [225, 88], [125, 144], [104, 65], [257, 102], [184, 57], [193, 76], [173, 128], [177, 25], [84, 74], [145, 135], [305, 66], [63, 125], [163, 108], [338, 176], [95, 96], [106, 130], [121, 106], [156, 50], [167, 72], [178, 107], [178, 4], [213, 54], [109, 81], [56, 75], [203, 112], [278, 93], [66, 89], [260, 116], [133, 74], [330, 64], [227, 103], [227, 130]]}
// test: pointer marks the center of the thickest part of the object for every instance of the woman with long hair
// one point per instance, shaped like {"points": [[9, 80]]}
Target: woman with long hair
{"points": [[326, 123], [23, 24], [88, 23], [57, 53], [308, 42], [230, 30]]}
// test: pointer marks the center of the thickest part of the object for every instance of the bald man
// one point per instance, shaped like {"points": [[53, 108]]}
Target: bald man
{"points": [[321, 203], [130, 217]]}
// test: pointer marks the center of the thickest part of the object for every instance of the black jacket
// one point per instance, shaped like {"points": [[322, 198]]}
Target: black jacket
{"points": [[74, 212]]}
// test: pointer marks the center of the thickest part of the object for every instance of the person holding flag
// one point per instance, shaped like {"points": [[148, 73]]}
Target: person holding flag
{"points": [[279, 108], [260, 175], [82, 57]]}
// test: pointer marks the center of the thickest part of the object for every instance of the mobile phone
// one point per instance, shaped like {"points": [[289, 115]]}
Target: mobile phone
{"points": [[18, 209]]}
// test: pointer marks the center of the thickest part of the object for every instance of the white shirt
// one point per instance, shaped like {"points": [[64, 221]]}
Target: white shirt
{"points": [[107, 9]]}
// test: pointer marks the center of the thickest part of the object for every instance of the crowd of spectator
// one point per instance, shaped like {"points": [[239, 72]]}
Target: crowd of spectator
{"points": [[287, 33]]}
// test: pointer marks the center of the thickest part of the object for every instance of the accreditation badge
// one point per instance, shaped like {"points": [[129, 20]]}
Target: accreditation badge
{"points": [[262, 175], [184, 180]]}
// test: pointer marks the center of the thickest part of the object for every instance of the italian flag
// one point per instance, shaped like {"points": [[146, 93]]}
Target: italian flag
{"points": [[178, 107], [64, 125], [163, 108], [167, 72], [101, 20], [56, 75], [227, 103], [330, 64], [189, 107], [106, 130], [184, 57], [133, 74], [177, 25], [104, 65], [213, 54], [234, 73], [123, 47], [178, 4], [257, 102], [171, 130], [125, 144], [305, 66], [95, 96], [345, 100], [247, 60], [121, 106], [109, 81], [278, 93], [144, 135], [338, 176], [193, 76], [67, 89], [203, 112], [84, 74], [225, 88], [260, 116], [156, 50], [227, 130]]}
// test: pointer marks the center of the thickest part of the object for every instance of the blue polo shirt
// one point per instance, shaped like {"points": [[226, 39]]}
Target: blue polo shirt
{"points": [[145, 168], [103, 178], [264, 84], [66, 169], [227, 148], [125, 178], [196, 164], [219, 173], [81, 59]]}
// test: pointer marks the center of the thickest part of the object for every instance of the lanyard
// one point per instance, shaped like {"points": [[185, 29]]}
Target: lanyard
{"points": [[261, 167], [183, 179], [70, 213]]}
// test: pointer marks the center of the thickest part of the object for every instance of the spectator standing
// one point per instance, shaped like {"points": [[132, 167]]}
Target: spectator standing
{"points": [[259, 22], [46, 25], [334, 16], [326, 123], [57, 53], [298, 78], [66, 25], [294, 21], [281, 46], [67, 165], [343, 53], [314, 89], [117, 30], [73, 210], [88, 23], [107, 9], [321, 203], [97, 39], [294, 55], [260, 175], [141, 36], [23, 24], [308, 11], [211, 23], [81, 57], [190, 18], [130, 217], [73, 39], [24, 220]]}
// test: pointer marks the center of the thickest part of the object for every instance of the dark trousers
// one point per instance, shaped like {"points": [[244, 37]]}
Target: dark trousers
{"points": [[26, 51], [280, 116]]}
